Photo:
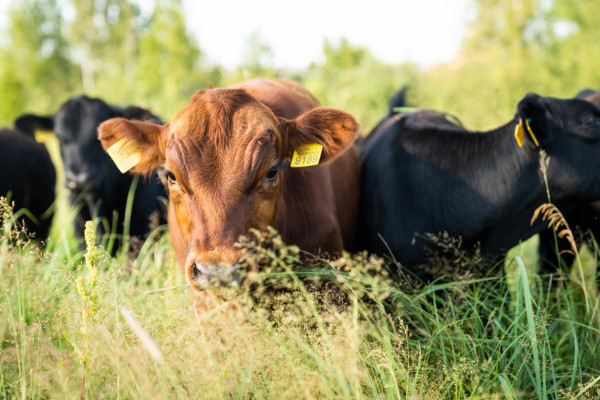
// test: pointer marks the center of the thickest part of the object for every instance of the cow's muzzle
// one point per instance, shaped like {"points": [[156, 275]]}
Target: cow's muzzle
{"points": [[211, 275]]}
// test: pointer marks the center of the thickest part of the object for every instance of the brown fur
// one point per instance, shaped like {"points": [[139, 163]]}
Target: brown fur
{"points": [[220, 148]]}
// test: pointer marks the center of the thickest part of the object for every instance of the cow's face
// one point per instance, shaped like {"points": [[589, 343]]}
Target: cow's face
{"points": [[87, 166], [569, 131], [226, 156], [75, 125]]}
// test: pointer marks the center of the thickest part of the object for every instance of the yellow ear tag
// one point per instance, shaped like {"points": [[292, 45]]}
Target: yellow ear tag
{"points": [[43, 136], [519, 133], [531, 133], [125, 154], [306, 155]]}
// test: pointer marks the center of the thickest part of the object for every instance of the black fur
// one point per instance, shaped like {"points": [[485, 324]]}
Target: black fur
{"points": [[29, 175], [94, 181], [479, 186]]}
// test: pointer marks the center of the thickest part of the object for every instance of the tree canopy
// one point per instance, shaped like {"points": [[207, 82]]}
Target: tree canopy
{"points": [[110, 48]]}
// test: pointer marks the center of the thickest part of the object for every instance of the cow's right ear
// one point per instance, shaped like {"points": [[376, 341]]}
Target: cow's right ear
{"points": [[332, 131], [134, 145], [29, 123]]}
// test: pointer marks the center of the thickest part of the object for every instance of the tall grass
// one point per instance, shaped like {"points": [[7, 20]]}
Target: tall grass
{"points": [[307, 328]]}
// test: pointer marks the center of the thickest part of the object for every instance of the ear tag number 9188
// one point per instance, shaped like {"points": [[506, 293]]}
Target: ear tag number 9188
{"points": [[307, 155]]}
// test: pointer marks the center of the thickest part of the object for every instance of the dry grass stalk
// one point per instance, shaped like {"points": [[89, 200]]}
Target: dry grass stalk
{"points": [[142, 334], [556, 221]]}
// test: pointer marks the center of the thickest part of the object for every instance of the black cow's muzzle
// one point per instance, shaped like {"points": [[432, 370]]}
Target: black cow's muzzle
{"points": [[80, 182]]}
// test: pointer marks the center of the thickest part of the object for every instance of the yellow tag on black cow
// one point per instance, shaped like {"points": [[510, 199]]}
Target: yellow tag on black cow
{"points": [[307, 155], [43, 136], [125, 154], [519, 134]]}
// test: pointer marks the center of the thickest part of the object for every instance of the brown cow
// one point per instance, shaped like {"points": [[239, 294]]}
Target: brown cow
{"points": [[227, 159]]}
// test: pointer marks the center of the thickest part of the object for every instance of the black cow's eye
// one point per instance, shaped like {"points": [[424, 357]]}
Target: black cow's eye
{"points": [[590, 120], [271, 174]]}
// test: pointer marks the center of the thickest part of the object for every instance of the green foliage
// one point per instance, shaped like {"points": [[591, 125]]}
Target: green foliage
{"points": [[351, 79], [307, 328], [34, 65], [108, 49], [258, 60], [169, 66]]}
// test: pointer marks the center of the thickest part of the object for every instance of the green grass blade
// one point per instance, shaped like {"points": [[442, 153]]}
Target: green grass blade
{"points": [[531, 327]]}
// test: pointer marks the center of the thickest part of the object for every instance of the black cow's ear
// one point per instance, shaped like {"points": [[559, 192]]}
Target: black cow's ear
{"points": [[533, 118], [29, 123]]}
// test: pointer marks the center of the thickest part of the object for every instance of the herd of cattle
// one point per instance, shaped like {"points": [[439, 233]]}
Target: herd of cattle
{"points": [[265, 153]]}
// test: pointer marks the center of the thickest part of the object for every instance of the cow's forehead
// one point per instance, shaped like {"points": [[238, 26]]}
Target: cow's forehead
{"points": [[220, 116], [222, 130], [80, 116]]}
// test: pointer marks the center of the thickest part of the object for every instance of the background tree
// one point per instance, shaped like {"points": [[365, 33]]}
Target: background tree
{"points": [[257, 60], [34, 64], [170, 66], [575, 51], [103, 40], [352, 79]]}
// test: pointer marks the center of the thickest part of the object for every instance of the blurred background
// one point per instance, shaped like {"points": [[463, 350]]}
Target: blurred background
{"points": [[471, 58]]}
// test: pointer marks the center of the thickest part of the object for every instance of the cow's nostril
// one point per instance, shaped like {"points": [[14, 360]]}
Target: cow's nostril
{"points": [[195, 271]]}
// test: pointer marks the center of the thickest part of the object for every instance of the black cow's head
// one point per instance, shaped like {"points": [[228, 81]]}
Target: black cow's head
{"points": [[569, 132], [87, 167]]}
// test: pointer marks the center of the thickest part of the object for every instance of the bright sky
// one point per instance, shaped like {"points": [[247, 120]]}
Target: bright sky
{"points": [[423, 31]]}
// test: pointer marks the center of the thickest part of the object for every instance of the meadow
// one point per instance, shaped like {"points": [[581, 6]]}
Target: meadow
{"points": [[78, 323], [354, 327]]}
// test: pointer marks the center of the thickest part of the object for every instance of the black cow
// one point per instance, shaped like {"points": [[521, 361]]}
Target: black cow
{"points": [[481, 187], [28, 178], [583, 221], [90, 175]]}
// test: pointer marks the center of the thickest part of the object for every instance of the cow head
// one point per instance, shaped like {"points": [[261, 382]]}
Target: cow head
{"points": [[226, 156], [569, 132], [90, 175], [75, 125]]}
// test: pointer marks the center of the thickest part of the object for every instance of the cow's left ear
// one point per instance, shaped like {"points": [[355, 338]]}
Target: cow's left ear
{"points": [[534, 122], [333, 129]]}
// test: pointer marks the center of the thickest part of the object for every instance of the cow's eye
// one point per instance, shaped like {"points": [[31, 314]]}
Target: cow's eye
{"points": [[271, 174], [170, 178], [590, 120]]}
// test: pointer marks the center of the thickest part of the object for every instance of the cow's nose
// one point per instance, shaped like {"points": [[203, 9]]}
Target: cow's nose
{"points": [[78, 181], [213, 275]]}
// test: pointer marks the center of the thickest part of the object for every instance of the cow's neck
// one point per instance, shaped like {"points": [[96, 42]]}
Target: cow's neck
{"points": [[512, 180], [306, 210], [504, 182]]}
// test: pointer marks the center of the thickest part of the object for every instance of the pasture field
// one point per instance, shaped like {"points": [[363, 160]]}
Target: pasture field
{"points": [[354, 327]]}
